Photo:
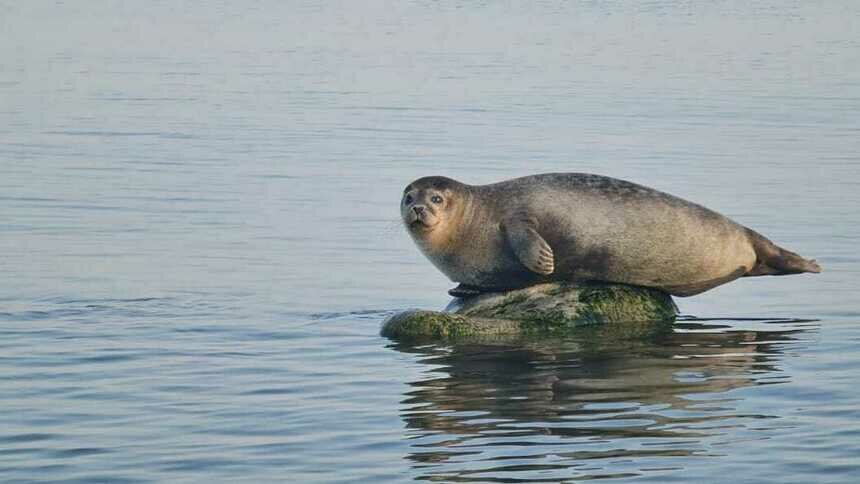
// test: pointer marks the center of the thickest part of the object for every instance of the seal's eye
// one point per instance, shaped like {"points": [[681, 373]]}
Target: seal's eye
{"points": [[408, 199], [436, 199]]}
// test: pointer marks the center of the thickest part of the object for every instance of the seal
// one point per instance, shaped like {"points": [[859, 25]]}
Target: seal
{"points": [[581, 227]]}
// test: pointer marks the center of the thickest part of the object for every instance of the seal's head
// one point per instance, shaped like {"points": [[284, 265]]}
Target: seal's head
{"points": [[431, 207]]}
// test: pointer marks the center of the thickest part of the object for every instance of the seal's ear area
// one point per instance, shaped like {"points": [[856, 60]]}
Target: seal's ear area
{"points": [[531, 249]]}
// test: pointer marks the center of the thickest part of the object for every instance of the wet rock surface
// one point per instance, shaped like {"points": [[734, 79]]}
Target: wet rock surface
{"points": [[542, 309]]}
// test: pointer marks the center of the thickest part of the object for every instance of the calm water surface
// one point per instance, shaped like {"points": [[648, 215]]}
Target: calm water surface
{"points": [[199, 239]]}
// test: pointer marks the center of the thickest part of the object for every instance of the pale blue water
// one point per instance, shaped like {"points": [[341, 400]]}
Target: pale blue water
{"points": [[199, 239]]}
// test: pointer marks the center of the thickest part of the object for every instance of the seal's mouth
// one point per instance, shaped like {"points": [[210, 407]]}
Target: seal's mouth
{"points": [[421, 222]]}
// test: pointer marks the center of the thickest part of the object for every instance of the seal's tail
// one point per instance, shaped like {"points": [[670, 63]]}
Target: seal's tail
{"points": [[773, 260]]}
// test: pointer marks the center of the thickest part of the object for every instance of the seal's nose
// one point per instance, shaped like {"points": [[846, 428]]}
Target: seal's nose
{"points": [[418, 209]]}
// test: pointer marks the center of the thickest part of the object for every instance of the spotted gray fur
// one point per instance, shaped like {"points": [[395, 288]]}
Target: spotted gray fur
{"points": [[578, 226]]}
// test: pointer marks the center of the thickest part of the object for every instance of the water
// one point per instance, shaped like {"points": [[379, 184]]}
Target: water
{"points": [[199, 239]]}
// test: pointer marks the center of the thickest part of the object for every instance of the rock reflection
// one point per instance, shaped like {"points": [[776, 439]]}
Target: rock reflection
{"points": [[597, 404]]}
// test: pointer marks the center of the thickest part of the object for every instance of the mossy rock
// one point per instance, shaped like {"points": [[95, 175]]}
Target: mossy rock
{"points": [[544, 309]]}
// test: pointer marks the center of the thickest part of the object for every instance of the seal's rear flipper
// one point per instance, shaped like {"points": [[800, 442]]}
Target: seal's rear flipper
{"points": [[773, 260]]}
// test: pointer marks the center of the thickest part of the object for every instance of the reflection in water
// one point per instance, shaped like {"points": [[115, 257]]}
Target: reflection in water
{"points": [[598, 404]]}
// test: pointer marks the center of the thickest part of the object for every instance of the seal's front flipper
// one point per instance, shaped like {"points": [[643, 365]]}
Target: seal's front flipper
{"points": [[531, 249], [464, 290]]}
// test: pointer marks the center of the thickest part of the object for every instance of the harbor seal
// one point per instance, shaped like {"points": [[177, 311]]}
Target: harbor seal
{"points": [[582, 227]]}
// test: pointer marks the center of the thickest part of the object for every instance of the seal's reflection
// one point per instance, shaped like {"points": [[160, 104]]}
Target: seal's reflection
{"points": [[488, 409]]}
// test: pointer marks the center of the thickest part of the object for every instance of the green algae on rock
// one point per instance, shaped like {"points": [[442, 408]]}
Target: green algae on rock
{"points": [[542, 309], [442, 325]]}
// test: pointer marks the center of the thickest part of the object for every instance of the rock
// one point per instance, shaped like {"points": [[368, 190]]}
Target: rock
{"points": [[543, 309]]}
